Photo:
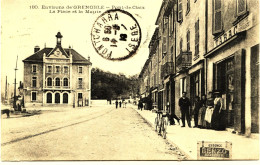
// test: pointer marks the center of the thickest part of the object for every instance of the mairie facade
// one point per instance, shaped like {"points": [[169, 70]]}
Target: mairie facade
{"points": [[203, 46], [57, 76]]}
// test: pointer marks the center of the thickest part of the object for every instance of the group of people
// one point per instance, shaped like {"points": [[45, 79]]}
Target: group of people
{"points": [[119, 103], [208, 113]]}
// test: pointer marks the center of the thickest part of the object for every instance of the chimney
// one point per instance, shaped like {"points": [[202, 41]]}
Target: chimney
{"points": [[36, 49], [89, 58]]}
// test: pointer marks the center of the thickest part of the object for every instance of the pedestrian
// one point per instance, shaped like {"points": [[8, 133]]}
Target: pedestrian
{"points": [[120, 103], [217, 124], [124, 103], [196, 110], [140, 105], [202, 111], [209, 110], [184, 104], [116, 104]]}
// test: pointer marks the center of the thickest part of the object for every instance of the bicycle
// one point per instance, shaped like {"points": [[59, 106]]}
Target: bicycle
{"points": [[161, 123]]}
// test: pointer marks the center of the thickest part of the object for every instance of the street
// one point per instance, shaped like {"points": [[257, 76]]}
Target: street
{"points": [[96, 133]]}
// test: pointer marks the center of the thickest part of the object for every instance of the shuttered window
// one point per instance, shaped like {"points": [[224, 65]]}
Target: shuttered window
{"points": [[181, 45], [196, 39], [217, 16], [164, 45], [188, 40], [188, 6], [241, 7], [180, 11]]}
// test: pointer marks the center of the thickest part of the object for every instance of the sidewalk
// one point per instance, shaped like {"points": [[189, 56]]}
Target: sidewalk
{"points": [[186, 139]]}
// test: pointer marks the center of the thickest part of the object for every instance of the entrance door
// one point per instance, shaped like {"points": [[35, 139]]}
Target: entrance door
{"points": [[49, 98], [57, 98], [65, 98]]}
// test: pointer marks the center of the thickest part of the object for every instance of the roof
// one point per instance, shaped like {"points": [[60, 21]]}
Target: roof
{"points": [[76, 57]]}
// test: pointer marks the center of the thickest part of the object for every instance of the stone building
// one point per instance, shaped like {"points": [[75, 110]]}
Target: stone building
{"points": [[190, 48], [232, 60], [57, 76], [207, 46]]}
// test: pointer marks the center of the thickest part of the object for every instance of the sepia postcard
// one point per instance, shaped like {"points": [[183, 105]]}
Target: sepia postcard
{"points": [[129, 80]]}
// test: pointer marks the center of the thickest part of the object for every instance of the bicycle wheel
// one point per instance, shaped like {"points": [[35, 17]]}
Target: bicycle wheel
{"points": [[156, 124], [164, 128]]}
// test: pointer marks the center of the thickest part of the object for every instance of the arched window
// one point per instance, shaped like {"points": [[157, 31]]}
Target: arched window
{"points": [[65, 98], [65, 82], [57, 98], [49, 82], [49, 98], [57, 82]]}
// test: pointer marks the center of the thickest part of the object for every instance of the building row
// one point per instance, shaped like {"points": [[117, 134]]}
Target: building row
{"points": [[202, 46], [56, 76]]}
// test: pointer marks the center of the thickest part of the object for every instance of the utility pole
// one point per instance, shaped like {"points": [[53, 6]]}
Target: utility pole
{"points": [[5, 89], [14, 103]]}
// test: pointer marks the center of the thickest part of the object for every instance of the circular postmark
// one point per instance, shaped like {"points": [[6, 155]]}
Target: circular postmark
{"points": [[116, 35]]}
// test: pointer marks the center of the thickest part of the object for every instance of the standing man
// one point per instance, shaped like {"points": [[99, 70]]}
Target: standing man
{"points": [[184, 104]]}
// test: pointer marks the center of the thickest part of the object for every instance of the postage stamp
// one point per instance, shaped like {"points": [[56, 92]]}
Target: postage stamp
{"points": [[116, 35]]}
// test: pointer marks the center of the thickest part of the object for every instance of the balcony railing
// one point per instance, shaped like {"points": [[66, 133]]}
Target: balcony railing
{"points": [[167, 69], [183, 61]]}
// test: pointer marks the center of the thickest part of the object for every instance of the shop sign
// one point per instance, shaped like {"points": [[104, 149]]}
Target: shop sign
{"points": [[214, 150], [224, 37], [245, 24]]}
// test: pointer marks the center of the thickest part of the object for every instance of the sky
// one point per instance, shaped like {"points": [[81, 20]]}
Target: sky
{"points": [[25, 24]]}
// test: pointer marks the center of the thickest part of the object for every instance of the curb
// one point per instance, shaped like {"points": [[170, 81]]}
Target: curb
{"points": [[188, 157]]}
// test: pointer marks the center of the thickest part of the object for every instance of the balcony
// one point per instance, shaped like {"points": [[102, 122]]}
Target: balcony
{"points": [[167, 69], [183, 61]]}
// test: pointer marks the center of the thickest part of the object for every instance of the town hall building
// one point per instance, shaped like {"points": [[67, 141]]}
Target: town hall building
{"points": [[57, 76]]}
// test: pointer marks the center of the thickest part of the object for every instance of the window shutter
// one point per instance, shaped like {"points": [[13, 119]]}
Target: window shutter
{"points": [[179, 10], [188, 41], [164, 45], [241, 7], [217, 15]]}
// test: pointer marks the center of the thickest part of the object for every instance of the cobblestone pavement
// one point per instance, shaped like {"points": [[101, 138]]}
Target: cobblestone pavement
{"points": [[97, 133]]}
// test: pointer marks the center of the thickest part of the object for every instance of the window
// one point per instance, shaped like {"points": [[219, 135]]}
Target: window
{"points": [[164, 46], [66, 69], [197, 39], [57, 69], [188, 6], [181, 45], [34, 68], [65, 82], [80, 85], [217, 17], [180, 10], [57, 82], [170, 25], [80, 69], [33, 96], [188, 40], [165, 22], [34, 81], [241, 7], [49, 69], [49, 82]]}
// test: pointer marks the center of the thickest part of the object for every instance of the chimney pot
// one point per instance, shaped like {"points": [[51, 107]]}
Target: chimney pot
{"points": [[36, 49]]}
